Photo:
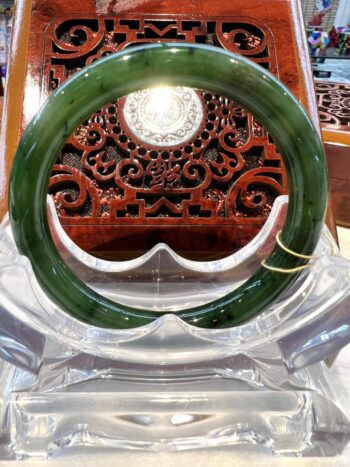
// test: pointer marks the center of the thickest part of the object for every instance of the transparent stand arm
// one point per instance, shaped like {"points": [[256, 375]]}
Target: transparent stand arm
{"points": [[309, 322]]}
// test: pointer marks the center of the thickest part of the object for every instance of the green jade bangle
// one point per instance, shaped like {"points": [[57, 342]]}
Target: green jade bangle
{"points": [[196, 66]]}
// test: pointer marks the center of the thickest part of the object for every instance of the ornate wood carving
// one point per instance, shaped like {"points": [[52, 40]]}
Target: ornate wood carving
{"points": [[333, 101], [73, 42], [227, 173], [42, 25]]}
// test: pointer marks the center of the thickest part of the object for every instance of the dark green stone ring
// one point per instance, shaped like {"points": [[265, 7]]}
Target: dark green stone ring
{"points": [[196, 66]]}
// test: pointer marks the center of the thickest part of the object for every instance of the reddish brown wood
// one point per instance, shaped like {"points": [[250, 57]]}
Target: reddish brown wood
{"points": [[118, 197], [341, 198], [227, 174], [339, 173]]}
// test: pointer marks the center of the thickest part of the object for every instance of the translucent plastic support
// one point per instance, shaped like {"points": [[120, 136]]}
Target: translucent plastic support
{"points": [[309, 321], [161, 279]]}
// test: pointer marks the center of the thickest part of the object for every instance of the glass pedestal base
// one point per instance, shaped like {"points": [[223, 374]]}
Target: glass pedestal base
{"points": [[86, 405], [279, 423], [71, 388]]}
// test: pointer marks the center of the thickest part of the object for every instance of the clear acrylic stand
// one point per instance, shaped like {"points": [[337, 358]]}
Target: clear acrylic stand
{"points": [[169, 386]]}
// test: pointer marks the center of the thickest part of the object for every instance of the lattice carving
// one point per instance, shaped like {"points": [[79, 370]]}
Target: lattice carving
{"points": [[333, 101], [228, 172]]}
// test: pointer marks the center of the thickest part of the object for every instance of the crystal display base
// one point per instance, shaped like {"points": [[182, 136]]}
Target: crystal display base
{"points": [[86, 405], [279, 423]]}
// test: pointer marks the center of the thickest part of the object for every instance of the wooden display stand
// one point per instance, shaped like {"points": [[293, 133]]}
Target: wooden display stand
{"points": [[118, 195]]}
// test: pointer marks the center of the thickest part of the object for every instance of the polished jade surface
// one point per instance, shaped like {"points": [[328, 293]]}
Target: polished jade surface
{"points": [[197, 66]]}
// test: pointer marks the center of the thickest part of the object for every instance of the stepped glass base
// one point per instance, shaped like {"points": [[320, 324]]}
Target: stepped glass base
{"points": [[256, 406]]}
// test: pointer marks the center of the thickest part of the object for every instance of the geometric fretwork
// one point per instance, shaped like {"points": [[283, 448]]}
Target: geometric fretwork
{"points": [[229, 172], [333, 101]]}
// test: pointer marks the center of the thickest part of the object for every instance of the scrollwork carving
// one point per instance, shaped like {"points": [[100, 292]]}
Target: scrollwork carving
{"points": [[73, 191], [334, 103], [225, 170]]}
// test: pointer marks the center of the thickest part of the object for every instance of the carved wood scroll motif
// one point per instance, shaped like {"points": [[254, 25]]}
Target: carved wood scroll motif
{"points": [[228, 170], [333, 100]]}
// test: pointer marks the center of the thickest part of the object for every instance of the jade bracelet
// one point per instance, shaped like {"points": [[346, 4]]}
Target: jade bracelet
{"points": [[197, 66]]}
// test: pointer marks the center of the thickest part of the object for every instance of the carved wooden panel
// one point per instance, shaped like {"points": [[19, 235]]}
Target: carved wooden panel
{"points": [[74, 42], [333, 101], [42, 25], [227, 172]]}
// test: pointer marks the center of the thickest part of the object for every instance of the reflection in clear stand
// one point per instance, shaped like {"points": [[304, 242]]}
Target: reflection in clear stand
{"points": [[169, 385]]}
